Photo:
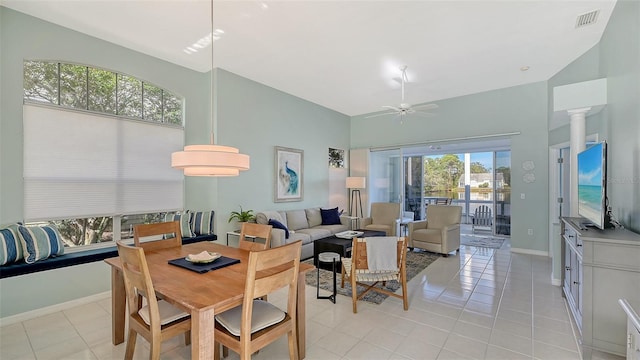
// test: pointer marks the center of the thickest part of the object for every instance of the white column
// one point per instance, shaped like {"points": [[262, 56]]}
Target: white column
{"points": [[577, 142]]}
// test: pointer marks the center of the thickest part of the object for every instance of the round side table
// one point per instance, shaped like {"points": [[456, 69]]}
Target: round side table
{"points": [[327, 257]]}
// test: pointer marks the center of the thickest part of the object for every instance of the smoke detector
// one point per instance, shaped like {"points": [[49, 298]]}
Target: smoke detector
{"points": [[587, 18]]}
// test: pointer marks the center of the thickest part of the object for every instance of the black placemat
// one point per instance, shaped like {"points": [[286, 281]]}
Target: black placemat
{"points": [[206, 267]]}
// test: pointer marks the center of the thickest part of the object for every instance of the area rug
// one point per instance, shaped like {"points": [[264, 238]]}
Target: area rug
{"points": [[487, 241], [416, 262]]}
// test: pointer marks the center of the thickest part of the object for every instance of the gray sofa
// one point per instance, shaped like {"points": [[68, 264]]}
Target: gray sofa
{"points": [[303, 224]]}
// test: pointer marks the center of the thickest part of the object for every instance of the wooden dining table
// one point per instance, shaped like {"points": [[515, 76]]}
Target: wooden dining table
{"points": [[200, 295]]}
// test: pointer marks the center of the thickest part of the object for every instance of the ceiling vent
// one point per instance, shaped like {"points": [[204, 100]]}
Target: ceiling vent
{"points": [[587, 18]]}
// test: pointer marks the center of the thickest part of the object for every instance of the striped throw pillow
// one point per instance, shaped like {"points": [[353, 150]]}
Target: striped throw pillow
{"points": [[202, 222], [10, 245], [40, 242], [185, 227]]}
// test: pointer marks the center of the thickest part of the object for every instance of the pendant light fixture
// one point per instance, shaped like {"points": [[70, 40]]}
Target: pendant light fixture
{"points": [[211, 159]]}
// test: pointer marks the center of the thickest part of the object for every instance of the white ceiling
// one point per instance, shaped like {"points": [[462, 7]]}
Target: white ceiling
{"points": [[345, 54]]}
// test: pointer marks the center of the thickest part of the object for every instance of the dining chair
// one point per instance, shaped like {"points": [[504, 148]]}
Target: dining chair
{"points": [[156, 321], [376, 260], [253, 325], [157, 236], [257, 231]]}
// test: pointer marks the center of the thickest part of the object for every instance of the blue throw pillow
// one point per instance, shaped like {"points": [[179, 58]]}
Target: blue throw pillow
{"points": [[330, 216], [278, 225], [40, 242]]}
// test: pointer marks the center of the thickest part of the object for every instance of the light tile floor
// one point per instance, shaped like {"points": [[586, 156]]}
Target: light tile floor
{"points": [[477, 304]]}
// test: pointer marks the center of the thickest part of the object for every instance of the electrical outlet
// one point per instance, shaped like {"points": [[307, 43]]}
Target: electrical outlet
{"points": [[522, 196], [530, 231]]}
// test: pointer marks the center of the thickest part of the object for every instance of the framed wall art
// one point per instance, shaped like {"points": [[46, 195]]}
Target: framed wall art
{"points": [[336, 158], [289, 174]]}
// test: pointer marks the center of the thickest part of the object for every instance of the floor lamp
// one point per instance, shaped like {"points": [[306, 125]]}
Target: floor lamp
{"points": [[355, 183]]}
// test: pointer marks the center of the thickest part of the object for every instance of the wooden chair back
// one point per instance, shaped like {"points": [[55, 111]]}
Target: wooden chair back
{"points": [[267, 271], [356, 269], [137, 281], [359, 254], [164, 235], [138, 285], [257, 231]]}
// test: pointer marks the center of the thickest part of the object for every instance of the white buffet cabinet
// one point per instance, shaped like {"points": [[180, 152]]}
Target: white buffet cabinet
{"points": [[600, 267]]}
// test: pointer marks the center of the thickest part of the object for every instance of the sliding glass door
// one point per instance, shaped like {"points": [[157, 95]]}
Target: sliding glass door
{"points": [[385, 176]]}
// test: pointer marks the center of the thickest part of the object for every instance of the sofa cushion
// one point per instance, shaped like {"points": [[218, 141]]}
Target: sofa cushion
{"points": [[330, 216], [264, 216], [278, 225], [295, 236], [202, 222], [315, 233], [314, 218], [333, 229], [297, 219], [40, 242], [10, 245]]}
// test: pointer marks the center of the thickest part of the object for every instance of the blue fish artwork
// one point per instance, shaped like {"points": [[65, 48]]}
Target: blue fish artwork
{"points": [[293, 179]]}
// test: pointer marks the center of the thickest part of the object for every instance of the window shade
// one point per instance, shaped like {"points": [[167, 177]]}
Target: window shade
{"points": [[78, 164]]}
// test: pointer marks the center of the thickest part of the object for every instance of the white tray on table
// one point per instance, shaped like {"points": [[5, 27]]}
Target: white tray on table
{"points": [[349, 234]]}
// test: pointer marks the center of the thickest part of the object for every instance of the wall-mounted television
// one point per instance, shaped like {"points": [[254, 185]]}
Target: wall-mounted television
{"points": [[592, 186]]}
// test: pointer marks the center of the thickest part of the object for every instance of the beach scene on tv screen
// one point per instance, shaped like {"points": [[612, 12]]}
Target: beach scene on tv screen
{"points": [[590, 184]]}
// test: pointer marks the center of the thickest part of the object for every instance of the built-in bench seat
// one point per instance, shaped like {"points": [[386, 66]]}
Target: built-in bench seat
{"points": [[76, 258]]}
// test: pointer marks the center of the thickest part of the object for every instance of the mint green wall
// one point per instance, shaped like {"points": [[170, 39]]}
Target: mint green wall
{"points": [[256, 118], [517, 109], [616, 57], [252, 117]]}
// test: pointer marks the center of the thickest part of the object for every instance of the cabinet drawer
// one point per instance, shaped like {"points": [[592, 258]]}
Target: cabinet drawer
{"points": [[571, 236], [617, 256]]}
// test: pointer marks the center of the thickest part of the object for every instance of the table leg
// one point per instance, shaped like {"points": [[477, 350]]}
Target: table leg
{"points": [[118, 306], [202, 333], [335, 290], [301, 317]]}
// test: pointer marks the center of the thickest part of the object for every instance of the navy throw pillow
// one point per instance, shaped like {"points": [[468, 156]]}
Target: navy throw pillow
{"points": [[278, 225], [330, 216]]}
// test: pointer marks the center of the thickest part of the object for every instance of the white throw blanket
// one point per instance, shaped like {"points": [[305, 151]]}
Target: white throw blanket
{"points": [[382, 253]]}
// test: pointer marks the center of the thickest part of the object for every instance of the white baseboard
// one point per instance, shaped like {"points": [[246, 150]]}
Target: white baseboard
{"points": [[556, 282], [530, 252], [13, 319]]}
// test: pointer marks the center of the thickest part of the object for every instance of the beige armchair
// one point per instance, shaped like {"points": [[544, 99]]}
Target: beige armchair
{"points": [[440, 233], [384, 217]]}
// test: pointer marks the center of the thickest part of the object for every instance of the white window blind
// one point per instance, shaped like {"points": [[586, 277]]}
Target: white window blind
{"points": [[78, 164]]}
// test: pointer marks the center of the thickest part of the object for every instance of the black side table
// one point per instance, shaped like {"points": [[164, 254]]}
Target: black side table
{"points": [[333, 258]]}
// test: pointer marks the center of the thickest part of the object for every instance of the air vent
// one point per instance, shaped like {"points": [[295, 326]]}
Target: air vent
{"points": [[587, 18]]}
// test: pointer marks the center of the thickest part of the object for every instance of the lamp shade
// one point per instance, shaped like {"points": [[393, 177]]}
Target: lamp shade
{"points": [[210, 160], [356, 182]]}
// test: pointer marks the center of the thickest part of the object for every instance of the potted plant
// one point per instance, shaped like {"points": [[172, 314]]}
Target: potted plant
{"points": [[242, 215]]}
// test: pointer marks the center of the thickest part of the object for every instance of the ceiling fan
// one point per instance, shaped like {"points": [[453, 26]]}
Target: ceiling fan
{"points": [[405, 108]]}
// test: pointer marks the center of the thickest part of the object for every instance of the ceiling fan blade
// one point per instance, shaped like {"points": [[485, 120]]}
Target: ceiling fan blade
{"points": [[423, 113], [383, 114], [392, 108], [426, 106]]}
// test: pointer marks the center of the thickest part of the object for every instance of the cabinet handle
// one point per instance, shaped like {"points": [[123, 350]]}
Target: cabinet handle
{"points": [[576, 282], [567, 268], [578, 244]]}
